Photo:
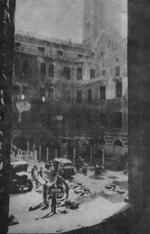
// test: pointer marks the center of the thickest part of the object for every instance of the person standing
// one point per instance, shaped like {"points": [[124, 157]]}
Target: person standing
{"points": [[67, 188], [32, 173], [51, 172], [45, 192], [41, 172], [54, 192], [77, 165], [36, 176]]}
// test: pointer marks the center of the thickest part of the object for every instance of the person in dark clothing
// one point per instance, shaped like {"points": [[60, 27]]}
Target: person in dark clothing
{"points": [[77, 165], [41, 172], [45, 191], [32, 172], [54, 198]]}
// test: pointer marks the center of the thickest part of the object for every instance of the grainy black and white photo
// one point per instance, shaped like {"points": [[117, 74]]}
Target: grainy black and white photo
{"points": [[72, 123]]}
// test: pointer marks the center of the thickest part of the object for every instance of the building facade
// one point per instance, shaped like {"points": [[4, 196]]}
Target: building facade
{"points": [[43, 91], [76, 93], [105, 84]]}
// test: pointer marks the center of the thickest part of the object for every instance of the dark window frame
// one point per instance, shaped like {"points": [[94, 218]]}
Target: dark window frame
{"points": [[118, 88], [17, 44], [25, 67], [25, 90], [80, 55], [67, 73], [79, 73], [42, 92], [118, 119], [51, 70], [41, 49], [79, 96], [89, 95], [103, 72], [117, 71], [92, 73], [103, 119], [60, 52], [102, 93], [43, 69]]}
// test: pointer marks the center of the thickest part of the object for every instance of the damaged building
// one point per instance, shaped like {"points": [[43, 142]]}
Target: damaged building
{"points": [[74, 96]]}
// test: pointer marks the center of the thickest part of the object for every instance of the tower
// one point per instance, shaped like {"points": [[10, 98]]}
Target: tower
{"points": [[101, 16]]}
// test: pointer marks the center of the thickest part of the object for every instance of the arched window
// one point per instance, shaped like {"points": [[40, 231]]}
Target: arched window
{"points": [[118, 143], [101, 141]]}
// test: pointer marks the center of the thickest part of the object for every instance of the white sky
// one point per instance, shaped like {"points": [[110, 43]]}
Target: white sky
{"points": [[60, 19]]}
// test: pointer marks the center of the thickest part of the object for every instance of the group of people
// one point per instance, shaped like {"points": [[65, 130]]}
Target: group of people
{"points": [[35, 173], [81, 165], [50, 192], [98, 169], [51, 172]]}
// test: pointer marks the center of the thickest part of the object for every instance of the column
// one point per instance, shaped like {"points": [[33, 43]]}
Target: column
{"points": [[55, 153], [74, 156], [28, 144], [91, 155], [47, 154], [34, 151], [103, 159], [35, 155], [40, 153]]}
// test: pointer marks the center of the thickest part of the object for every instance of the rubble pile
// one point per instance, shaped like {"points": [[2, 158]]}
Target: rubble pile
{"points": [[115, 188], [69, 204], [80, 189]]}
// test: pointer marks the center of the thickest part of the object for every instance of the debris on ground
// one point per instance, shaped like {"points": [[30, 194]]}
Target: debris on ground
{"points": [[91, 194], [80, 189], [12, 220], [125, 172], [63, 210], [69, 204], [115, 188], [107, 186], [120, 190]]}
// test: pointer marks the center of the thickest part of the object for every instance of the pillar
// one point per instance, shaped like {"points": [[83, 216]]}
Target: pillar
{"points": [[34, 151], [74, 156], [35, 155], [28, 145], [47, 154], [40, 153], [103, 159], [91, 155], [55, 153]]}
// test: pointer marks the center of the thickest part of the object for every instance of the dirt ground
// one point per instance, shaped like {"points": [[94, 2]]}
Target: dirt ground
{"points": [[97, 204]]}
